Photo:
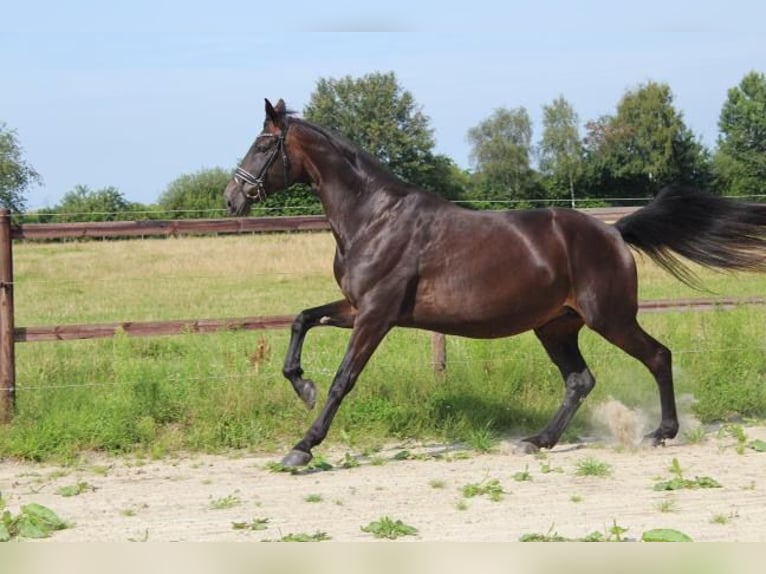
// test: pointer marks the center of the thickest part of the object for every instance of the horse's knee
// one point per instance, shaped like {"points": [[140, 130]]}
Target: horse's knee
{"points": [[581, 384]]}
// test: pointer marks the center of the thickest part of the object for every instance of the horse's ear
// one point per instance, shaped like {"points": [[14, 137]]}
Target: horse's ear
{"points": [[276, 113]]}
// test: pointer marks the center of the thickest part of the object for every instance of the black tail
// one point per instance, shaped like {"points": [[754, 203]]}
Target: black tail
{"points": [[708, 229]]}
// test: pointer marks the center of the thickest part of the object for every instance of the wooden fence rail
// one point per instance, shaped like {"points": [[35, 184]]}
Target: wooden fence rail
{"points": [[10, 334]]}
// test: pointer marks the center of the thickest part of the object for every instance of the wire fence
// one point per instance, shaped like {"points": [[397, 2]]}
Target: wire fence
{"points": [[9, 282], [312, 209]]}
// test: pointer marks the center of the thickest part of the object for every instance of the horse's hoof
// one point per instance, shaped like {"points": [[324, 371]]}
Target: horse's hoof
{"points": [[296, 458], [308, 394], [654, 439], [525, 447]]}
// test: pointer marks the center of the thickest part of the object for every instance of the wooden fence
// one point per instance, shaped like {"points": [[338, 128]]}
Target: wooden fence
{"points": [[10, 334]]}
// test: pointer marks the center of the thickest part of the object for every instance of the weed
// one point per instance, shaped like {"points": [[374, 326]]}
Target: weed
{"points": [[490, 488], [546, 468], [576, 498], [550, 536], [722, 518], [33, 521], [695, 435], [522, 475], [593, 467], [667, 505], [313, 498], [318, 536], [665, 535], [403, 455], [388, 528], [349, 461], [143, 538], [614, 533], [438, 484], [678, 482], [482, 439], [75, 489], [225, 502], [254, 525]]}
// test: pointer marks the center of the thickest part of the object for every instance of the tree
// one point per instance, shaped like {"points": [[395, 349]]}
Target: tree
{"points": [[198, 194], [378, 115], [740, 160], [645, 146], [500, 151], [561, 151], [85, 204], [16, 176]]}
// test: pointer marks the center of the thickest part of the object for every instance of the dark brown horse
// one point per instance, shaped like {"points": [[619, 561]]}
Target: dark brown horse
{"points": [[408, 258]]}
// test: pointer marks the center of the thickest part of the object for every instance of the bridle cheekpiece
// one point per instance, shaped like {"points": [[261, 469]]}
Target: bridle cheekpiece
{"points": [[258, 193]]}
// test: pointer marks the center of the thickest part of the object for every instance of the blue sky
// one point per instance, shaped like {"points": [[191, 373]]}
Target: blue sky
{"points": [[134, 94]]}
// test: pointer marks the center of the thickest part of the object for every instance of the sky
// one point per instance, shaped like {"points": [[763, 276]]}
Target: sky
{"points": [[135, 94]]}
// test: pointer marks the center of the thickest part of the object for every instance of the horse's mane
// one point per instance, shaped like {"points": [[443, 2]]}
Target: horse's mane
{"points": [[357, 156]]}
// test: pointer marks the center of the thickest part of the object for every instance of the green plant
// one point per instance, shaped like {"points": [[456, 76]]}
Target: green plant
{"points": [[490, 488], [255, 524], [349, 461], [665, 535], [75, 489], [722, 518], [33, 521], [317, 536], [313, 498], [388, 528], [522, 475], [482, 439], [546, 468], [592, 467], [667, 505], [678, 482], [614, 533], [225, 502], [695, 435], [438, 484]]}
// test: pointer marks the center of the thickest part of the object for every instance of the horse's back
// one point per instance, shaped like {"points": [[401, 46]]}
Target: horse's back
{"points": [[489, 274]]}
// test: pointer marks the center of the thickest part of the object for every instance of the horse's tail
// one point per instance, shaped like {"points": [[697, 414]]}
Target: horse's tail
{"points": [[707, 229]]}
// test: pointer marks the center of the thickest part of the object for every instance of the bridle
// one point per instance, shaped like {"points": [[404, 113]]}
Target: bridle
{"points": [[258, 193]]}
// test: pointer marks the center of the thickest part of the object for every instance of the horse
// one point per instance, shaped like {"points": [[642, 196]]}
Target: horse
{"points": [[406, 257]]}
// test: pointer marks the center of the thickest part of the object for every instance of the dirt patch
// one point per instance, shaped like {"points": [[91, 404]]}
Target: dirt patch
{"points": [[200, 497]]}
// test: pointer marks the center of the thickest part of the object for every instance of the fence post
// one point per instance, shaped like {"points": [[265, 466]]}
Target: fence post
{"points": [[7, 330], [439, 352]]}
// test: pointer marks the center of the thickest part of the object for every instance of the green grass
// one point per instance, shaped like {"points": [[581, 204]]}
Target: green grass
{"points": [[214, 392]]}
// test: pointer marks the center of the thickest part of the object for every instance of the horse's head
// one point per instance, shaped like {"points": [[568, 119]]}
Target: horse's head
{"points": [[266, 167]]}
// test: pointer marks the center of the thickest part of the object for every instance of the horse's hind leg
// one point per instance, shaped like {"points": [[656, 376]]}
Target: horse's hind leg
{"points": [[559, 337], [631, 338], [337, 314]]}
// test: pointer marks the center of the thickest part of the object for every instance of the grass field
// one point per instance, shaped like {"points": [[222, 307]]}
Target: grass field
{"points": [[219, 391]]}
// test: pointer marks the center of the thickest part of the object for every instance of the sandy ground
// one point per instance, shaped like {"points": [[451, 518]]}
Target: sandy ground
{"points": [[199, 497]]}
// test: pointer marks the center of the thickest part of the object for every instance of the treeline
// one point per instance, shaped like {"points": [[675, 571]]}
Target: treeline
{"points": [[623, 158]]}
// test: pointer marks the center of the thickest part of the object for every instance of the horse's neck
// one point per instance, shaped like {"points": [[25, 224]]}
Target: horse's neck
{"points": [[345, 191], [346, 205]]}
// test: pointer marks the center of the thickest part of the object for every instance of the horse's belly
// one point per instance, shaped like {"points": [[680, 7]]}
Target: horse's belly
{"points": [[487, 313]]}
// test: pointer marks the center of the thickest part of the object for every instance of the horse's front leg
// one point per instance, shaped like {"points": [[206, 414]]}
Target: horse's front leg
{"points": [[336, 314], [365, 338]]}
